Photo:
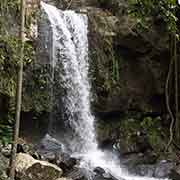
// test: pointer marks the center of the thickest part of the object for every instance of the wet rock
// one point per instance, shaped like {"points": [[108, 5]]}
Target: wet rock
{"points": [[78, 174], [27, 168], [50, 144], [64, 178], [100, 174], [65, 161], [99, 170], [163, 169], [24, 148], [145, 170], [174, 175], [36, 155], [50, 157], [52, 150], [61, 159], [106, 176], [133, 160]]}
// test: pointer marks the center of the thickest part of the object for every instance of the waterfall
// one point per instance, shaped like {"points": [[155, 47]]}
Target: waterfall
{"points": [[70, 53], [70, 47]]}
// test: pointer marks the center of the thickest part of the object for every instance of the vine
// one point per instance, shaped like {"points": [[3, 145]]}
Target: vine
{"points": [[167, 97]]}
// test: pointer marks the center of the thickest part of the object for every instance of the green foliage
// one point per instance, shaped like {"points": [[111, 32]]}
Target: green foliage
{"points": [[7, 5], [129, 128], [163, 10], [148, 123], [37, 89], [155, 133], [6, 124], [8, 9], [114, 66], [151, 128], [5, 133], [9, 61]]}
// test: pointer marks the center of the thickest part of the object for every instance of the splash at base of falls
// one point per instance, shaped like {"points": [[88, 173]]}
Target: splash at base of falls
{"points": [[110, 163], [70, 54]]}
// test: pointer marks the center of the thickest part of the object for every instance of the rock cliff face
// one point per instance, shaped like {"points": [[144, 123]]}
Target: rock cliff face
{"points": [[124, 60], [128, 70], [76, 4]]}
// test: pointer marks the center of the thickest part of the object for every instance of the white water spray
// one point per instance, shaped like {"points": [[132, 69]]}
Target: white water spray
{"points": [[70, 49]]}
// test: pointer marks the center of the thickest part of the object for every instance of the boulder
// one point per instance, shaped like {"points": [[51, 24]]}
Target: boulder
{"points": [[145, 170], [48, 149], [175, 173], [105, 176], [50, 157], [100, 174], [99, 170], [64, 178], [78, 174], [51, 150], [163, 169], [27, 168], [50, 144], [65, 161]]}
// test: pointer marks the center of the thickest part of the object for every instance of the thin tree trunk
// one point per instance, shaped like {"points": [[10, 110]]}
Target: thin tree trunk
{"points": [[177, 124], [177, 129], [18, 95], [167, 94]]}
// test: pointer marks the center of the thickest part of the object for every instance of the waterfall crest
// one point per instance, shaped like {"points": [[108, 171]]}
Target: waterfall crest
{"points": [[70, 49]]}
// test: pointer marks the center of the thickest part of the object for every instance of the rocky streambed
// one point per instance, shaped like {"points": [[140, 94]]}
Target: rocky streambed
{"points": [[47, 161]]}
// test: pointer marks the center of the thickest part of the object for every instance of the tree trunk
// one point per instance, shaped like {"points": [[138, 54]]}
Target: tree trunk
{"points": [[177, 125], [167, 93], [18, 94]]}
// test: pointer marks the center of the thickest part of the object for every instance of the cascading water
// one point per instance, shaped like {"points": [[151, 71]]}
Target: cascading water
{"points": [[70, 49]]}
